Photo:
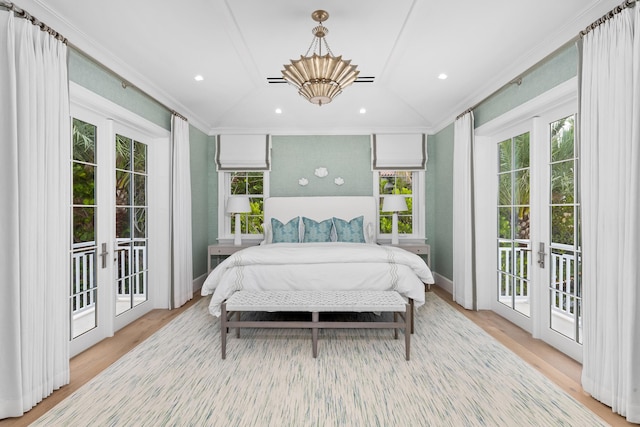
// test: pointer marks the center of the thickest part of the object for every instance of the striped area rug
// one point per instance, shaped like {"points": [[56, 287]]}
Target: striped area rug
{"points": [[458, 376]]}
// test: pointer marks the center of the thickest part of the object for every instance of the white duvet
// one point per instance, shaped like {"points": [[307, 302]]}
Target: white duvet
{"points": [[318, 266]]}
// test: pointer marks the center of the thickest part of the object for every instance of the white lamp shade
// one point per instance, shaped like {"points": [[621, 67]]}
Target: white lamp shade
{"points": [[238, 204], [394, 203]]}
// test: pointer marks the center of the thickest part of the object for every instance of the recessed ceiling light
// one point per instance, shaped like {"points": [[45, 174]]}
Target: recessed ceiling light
{"points": [[442, 76], [278, 111], [363, 111], [199, 78]]}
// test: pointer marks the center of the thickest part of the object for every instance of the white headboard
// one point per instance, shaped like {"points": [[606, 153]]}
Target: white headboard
{"points": [[320, 208]]}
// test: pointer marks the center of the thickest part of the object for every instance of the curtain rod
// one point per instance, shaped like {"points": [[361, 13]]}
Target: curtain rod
{"points": [[606, 17], [518, 79], [21, 13]]}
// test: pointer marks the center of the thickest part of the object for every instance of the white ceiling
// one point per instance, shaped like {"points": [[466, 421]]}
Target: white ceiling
{"points": [[159, 46]]}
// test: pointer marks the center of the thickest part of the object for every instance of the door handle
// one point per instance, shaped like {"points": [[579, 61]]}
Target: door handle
{"points": [[103, 255], [541, 255]]}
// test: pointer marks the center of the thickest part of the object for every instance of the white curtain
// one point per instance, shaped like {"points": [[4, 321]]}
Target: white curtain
{"points": [[182, 260], [463, 213], [34, 215], [610, 182]]}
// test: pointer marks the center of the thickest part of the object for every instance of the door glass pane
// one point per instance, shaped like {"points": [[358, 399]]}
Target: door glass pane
{"points": [[505, 193], [83, 286], [140, 190], [123, 223], [123, 188], [521, 187], [565, 284], [131, 223], [140, 156], [504, 222], [123, 153], [84, 141], [140, 223], [562, 226], [514, 252], [521, 151], [565, 291], [562, 139], [504, 156], [562, 182]]}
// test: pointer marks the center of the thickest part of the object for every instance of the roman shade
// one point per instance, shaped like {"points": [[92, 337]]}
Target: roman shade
{"points": [[399, 151], [243, 152]]}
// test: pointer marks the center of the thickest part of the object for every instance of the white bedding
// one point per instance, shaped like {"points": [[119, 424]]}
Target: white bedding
{"points": [[318, 266]]}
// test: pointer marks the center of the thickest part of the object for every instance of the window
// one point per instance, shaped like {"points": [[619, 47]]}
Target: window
{"points": [[252, 184], [407, 183]]}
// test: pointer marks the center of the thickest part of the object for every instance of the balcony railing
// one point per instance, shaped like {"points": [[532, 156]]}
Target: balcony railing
{"points": [[563, 287], [83, 274]]}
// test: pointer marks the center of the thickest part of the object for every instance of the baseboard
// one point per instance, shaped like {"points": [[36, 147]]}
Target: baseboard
{"points": [[198, 282], [443, 282]]}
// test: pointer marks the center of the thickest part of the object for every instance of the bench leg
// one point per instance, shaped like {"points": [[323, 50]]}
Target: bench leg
{"points": [[238, 328], [314, 333], [407, 328], [223, 330], [412, 311], [395, 320]]}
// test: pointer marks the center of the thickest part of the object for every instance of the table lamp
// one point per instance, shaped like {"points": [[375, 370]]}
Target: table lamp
{"points": [[394, 203], [237, 205]]}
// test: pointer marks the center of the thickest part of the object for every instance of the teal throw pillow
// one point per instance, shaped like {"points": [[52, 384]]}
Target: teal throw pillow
{"points": [[317, 231], [285, 233], [349, 231]]}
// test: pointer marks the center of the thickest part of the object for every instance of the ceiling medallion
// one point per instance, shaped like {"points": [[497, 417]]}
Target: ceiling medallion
{"points": [[320, 78]]}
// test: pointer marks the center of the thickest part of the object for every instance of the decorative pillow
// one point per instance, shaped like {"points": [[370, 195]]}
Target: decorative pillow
{"points": [[285, 233], [349, 231], [317, 231]]}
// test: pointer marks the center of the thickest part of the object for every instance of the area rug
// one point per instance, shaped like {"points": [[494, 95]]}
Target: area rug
{"points": [[458, 375]]}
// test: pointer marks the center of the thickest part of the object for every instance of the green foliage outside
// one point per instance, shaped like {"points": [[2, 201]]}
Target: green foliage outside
{"points": [[130, 197], [563, 182], [83, 172], [249, 184], [130, 188], [396, 182]]}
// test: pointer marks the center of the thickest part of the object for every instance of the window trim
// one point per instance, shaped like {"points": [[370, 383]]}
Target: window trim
{"points": [[419, 203], [224, 220]]}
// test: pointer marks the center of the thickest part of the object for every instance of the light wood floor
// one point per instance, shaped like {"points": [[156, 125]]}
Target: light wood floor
{"points": [[562, 370]]}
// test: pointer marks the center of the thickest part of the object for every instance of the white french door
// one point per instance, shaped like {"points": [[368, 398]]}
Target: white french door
{"points": [[116, 275], [528, 234]]}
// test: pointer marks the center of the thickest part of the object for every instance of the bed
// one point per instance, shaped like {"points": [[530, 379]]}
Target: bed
{"points": [[319, 262]]}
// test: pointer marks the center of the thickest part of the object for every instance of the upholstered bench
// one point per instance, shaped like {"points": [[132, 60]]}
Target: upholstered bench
{"points": [[316, 302]]}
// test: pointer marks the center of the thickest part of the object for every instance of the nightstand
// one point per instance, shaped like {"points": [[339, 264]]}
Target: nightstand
{"points": [[421, 249], [224, 249]]}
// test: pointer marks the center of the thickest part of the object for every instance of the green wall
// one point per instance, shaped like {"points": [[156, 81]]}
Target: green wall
{"points": [[546, 75], [201, 197], [440, 201], [96, 78], [295, 157]]}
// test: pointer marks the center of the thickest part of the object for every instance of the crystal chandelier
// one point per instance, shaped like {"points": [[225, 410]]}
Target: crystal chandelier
{"points": [[320, 78]]}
